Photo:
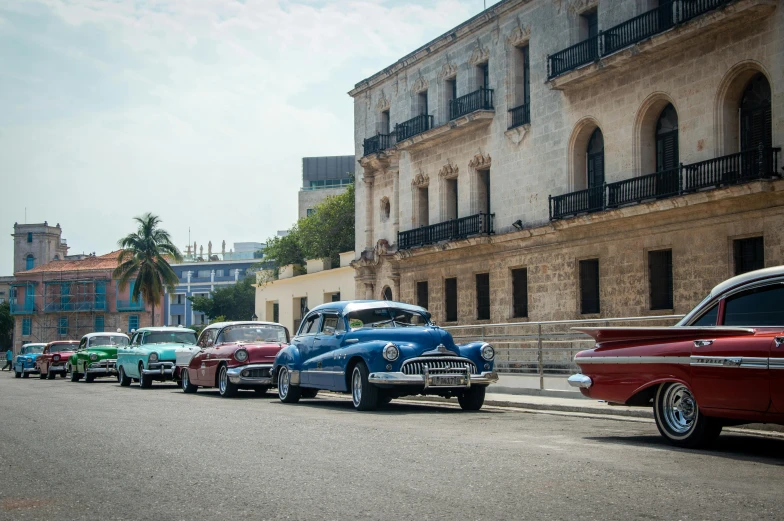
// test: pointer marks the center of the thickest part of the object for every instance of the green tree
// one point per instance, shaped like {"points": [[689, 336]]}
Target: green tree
{"points": [[143, 258], [325, 233], [6, 327], [235, 302]]}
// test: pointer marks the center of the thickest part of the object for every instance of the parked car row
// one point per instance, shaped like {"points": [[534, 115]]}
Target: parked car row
{"points": [[374, 350]]}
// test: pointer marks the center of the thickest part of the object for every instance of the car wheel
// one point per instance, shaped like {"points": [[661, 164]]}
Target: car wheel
{"points": [[308, 393], [51, 375], [287, 392], [364, 395], [25, 375], [124, 380], [185, 382], [145, 381], [225, 387], [88, 377], [17, 374], [42, 376], [74, 375], [679, 419], [473, 398]]}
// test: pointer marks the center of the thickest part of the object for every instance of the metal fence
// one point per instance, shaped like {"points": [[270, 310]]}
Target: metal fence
{"points": [[544, 349]]}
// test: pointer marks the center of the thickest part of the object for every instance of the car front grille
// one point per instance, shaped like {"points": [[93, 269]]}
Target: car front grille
{"points": [[440, 363], [263, 372]]}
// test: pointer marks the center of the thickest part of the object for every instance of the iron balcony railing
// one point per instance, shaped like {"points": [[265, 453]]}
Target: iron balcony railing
{"points": [[544, 350], [413, 126], [632, 31], [748, 165], [453, 229], [377, 143], [25, 308], [519, 116], [481, 99], [75, 306], [130, 305]]}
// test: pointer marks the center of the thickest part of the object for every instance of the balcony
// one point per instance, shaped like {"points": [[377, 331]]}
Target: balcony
{"points": [[481, 99], [87, 305], [26, 308], [519, 116], [732, 169], [130, 305], [377, 143], [413, 126], [451, 230], [572, 65]]}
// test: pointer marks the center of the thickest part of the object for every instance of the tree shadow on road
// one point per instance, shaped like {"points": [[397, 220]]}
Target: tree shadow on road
{"points": [[744, 447]]}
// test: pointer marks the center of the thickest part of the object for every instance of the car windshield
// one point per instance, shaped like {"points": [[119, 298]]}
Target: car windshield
{"points": [[108, 340], [29, 350], [385, 317], [170, 337], [57, 348], [253, 333]]}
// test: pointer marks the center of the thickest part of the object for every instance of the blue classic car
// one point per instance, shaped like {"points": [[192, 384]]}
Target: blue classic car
{"points": [[24, 363], [377, 351], [152, 354]]}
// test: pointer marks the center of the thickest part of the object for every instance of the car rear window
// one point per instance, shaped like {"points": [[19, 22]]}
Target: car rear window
{"points": [[756, 307]]}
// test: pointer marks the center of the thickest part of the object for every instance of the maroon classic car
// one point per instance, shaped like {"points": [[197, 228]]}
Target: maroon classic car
{"points": [[232, 356], [722, 364], [54, 359]]}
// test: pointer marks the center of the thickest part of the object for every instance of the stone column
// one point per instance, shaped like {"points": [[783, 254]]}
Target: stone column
{"points": [[395, 206], [369, 291], [369, 212]]}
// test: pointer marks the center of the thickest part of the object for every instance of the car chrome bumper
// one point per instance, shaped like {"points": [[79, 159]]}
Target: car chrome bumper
{"points": [[108, 367], [30, 370], [159, 369], [485, 378], [239, 375], [56, 368], [580, 380]]}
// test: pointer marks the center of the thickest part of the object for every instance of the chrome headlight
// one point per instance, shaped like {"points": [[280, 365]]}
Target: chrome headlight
{"points": [[153, 357], [56, 358], [488, 353], [93, 357], [390, 352], [241, 355]]}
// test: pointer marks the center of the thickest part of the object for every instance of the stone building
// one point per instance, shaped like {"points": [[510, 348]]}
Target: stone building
{"points": [[576, 159], [323, 177], [37, 244]]}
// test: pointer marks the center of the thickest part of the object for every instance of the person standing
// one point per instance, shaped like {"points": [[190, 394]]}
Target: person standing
{"points": [[9, 356]]}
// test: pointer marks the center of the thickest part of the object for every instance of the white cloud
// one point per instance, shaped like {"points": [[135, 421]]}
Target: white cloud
{"points": [[199, 111]]}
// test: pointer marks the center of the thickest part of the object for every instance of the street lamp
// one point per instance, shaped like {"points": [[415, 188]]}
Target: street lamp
{"points": [[254, 317]]}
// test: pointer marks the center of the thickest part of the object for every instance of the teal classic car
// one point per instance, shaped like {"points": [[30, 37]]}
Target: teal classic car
{"points": [[96, 356], [24, 363], [152, 354]]}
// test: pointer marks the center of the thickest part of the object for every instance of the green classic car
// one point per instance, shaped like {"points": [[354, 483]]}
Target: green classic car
{"points": [[97, 356], [152, 354]]}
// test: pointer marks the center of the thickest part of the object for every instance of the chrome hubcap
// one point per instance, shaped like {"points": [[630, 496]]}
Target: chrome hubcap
{"points": [[283, 382], [356, 386], [222, 380], [679, 409]]}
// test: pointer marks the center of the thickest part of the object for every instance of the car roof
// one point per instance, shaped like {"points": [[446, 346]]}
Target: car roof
{"points": [[55, 342], [90, 335], [219, 325], [164, 329], [347, 306], [35, 344], [745, 278]]}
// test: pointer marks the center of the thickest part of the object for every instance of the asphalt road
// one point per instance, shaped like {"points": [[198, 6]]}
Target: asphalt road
{"points": [[98, 451]]}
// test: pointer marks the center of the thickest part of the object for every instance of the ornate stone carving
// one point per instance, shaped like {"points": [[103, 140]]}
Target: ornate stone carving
{"points": [[449, 70], [480, 161], [580, 6], [480, 54], [448, 171], [382, 247], [383, 103], [519, 35], [420, 180], [421, 84]]}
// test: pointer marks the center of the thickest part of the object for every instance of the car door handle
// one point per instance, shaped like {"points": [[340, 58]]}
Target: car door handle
{"points": [[702, 343], [352, 340]]}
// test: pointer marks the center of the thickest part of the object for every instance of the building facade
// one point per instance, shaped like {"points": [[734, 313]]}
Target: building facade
{"points": [[323, 177], [201, 278], [578, 159], [37, 244], [65, 299], [289, 297]]}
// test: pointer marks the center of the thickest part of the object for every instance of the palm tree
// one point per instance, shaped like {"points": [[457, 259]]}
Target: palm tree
{"points": [[143, 258]]}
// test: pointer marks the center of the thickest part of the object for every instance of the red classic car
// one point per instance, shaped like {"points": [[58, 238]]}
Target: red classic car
{"points": [[54, 359], [232, 356], [722, 364]]}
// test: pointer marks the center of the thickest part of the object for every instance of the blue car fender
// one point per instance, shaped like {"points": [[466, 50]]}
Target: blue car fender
{"points": [[289, 357], [473, 351]]}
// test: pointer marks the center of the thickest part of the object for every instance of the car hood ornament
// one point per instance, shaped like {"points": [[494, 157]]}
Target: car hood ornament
{"points": [[440, 350]]}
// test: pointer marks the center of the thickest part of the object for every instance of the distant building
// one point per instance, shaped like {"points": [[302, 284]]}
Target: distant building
{"points": [[65, 299], [323, 177], [5, 288], [37, 244], [287, 298]]}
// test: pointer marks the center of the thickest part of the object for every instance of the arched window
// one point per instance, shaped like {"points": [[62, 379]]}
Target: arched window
{"points": [[667, 139], [387, 294], [755, 114], [30, 262], [594, 163]]}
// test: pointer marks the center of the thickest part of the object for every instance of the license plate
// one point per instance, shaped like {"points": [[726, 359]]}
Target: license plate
{"points": [[447, 381]]}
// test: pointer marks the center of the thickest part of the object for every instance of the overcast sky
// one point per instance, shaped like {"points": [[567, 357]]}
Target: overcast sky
{"points": [[199, 111]]}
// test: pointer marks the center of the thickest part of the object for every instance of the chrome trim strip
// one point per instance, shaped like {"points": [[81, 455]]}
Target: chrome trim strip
{"points": [[393, 378], [316, 371], [580, 380], [294, 377], [684, 360], [776, 363], [745, 362]]}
